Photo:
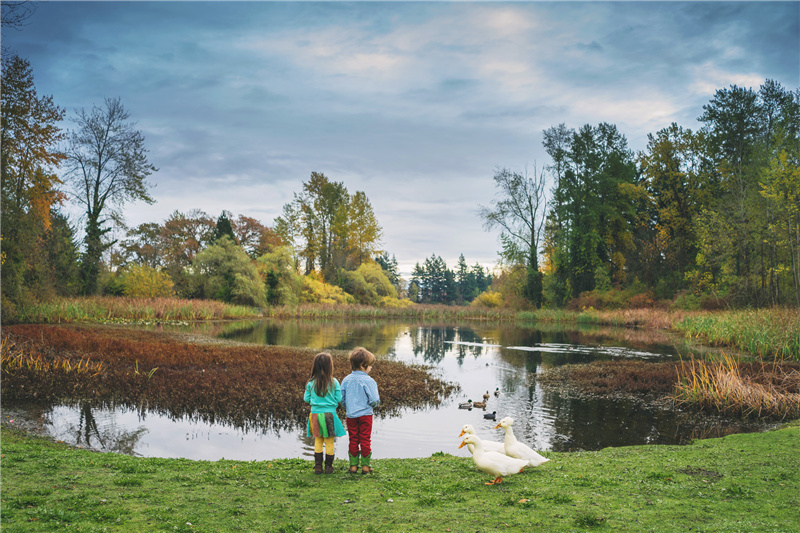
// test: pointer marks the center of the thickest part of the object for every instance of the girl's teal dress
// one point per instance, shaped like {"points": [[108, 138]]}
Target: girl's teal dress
{"points": [[323, 421]]}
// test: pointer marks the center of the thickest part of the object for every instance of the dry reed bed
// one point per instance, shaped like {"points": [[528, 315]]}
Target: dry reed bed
{"points": [[747, 390], [245, 386], [763, 390]]}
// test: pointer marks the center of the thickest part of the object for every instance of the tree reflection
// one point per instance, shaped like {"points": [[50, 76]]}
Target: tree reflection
{"points": [[108, 436]]}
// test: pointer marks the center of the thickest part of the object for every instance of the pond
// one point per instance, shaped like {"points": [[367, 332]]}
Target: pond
{"points": [[479, 357]]}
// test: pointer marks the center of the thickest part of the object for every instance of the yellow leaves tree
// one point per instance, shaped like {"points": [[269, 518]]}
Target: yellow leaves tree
{"points": [[29, 157]]}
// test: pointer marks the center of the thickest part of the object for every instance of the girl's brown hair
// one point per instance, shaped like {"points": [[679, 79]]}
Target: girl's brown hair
{"points": [[322, 373]]}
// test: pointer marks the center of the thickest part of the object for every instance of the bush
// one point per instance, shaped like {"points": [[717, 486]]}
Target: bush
{"points": [[223, 271], [316, 291], [282, 282], [490, 299], [141, 281]]}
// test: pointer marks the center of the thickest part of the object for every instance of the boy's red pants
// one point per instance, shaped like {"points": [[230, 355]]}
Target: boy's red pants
{"points": [[360, 432]]}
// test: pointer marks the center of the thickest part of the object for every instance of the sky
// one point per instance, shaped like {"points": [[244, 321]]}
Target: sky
{"points": [[416, 104]]}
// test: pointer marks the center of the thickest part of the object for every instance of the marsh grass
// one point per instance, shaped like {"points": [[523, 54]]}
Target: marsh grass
{"points": [[116, 308], [766, 333], [760, 390], [746, 482], [411, 312], [245, 386]]}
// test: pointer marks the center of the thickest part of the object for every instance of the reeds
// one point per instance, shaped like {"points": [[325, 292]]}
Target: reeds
{"points": [[415, 312], [763, 390], [110, 309], [14, 359], [767, 333]]}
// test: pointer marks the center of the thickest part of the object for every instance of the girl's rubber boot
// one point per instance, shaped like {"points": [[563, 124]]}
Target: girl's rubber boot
{"points": [[365, 467], [318, 463], [329, 464], [354, 462]]}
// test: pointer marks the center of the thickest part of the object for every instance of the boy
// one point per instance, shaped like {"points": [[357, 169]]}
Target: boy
{"points": [[359, 396]]}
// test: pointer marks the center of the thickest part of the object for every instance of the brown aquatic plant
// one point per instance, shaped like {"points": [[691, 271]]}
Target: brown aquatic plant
{"points": [[247, 386]]}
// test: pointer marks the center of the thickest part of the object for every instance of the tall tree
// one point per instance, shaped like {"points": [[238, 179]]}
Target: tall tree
{"points": [[781, 187], [363, 230], [681, 182], [108, 167], [255, 238], [520, 213], [592, 216], [329, 228], [184, 235], [732, 121], [29, 157]]}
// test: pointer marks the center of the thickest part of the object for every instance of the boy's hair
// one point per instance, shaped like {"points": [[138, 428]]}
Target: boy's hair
{"points": [[361, 358]]}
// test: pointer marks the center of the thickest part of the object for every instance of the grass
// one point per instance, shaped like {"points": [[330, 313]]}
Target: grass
{"points": [[111, 309], [746, 482], [767, 333]]}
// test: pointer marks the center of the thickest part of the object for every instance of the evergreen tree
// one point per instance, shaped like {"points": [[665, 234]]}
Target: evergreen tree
{"points": [[224, 227]]}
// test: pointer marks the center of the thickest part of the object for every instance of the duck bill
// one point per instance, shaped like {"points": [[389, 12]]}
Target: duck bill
{"points": [[461, 434], [498, 426], [462, 445]]}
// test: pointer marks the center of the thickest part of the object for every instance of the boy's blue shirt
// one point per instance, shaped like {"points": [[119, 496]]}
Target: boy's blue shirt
{"points": [[359, 394]]}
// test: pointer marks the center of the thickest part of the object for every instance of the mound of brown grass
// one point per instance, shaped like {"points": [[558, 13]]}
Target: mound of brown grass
{"points": [[765, 390], [604, 378], [245, 386]]}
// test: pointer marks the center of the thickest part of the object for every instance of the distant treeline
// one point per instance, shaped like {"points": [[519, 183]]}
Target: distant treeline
{"points": [[708, 218]]}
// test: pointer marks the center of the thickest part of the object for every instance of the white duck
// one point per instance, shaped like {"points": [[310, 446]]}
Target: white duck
{"points": [[488, 445], [493, 463], [515, 448]]}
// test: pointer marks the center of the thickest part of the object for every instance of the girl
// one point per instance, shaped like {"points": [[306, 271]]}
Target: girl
{"points": [[324, 393]]}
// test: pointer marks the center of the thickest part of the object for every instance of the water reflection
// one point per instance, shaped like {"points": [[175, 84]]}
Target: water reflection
{"points": [[480, 357], [88, 426]]}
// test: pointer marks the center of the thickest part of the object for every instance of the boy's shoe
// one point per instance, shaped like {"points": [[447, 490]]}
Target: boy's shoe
{"points": [[353, 462], [318, 463], [365, 467]]}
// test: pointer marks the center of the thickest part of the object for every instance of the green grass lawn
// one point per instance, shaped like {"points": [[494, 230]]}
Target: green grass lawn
{"points": [[746, 483]]}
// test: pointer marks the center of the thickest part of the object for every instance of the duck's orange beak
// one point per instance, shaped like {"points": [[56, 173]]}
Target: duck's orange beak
{"points": [[498, 426], [461, 434], [462, 445]]}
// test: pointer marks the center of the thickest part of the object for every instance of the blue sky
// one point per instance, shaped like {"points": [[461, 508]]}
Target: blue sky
{"points": [[414, 103]]}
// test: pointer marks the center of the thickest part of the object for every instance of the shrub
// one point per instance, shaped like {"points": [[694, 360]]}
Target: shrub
{"points": [[281, 281], [141, 281], [490, 299], [223, 271], [314, 290]]}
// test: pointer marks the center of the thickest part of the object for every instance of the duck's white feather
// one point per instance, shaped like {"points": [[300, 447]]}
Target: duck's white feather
{"points": [[496, 464], [515, 448], [488, 445]]}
